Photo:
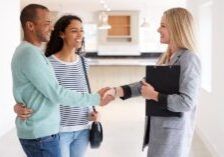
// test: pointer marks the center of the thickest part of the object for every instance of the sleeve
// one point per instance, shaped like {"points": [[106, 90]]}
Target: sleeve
{"points": [[41, 76], [131, 90], [189, 86]]}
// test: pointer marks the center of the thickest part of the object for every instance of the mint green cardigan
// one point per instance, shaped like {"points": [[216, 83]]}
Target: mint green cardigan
{"points": [[35, 85]]}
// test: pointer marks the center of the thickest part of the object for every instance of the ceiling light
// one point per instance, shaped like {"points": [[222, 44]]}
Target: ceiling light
{"points": [[103, 21], [108, 9], [145, 23], [102, 1]]}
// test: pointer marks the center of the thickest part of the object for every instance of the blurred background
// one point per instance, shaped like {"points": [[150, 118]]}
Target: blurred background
{"points": [[121, 39]]}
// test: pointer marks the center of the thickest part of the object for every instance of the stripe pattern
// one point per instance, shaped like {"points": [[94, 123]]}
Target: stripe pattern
{"points": [[71, 76]]}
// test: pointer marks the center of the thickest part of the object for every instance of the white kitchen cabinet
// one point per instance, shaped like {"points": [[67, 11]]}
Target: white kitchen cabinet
{"points": [[124, 28]]}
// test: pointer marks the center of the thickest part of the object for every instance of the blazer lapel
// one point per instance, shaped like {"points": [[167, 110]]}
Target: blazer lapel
{"points": [[176, 57]]}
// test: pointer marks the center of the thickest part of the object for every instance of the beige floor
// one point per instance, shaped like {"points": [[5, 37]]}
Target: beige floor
{"points": [[123, 129], [123, 121]]}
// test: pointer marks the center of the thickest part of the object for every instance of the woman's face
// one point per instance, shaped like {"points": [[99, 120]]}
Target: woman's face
{"points": [[163, 30], [73, 34]]}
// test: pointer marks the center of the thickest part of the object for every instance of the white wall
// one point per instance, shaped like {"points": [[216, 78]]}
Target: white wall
{"points": [[10, 36], [210, 115]]}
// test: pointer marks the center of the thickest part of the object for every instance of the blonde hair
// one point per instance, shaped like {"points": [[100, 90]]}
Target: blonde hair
{"points": [[181, 30]]}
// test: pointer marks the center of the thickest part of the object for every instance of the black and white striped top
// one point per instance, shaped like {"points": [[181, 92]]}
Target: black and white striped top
{"points": [[71, 76]]}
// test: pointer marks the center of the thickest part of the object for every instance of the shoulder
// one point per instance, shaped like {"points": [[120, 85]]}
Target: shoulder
{"points": [[51, 58], [29, 50], [84, 59], [189, 54], [190, 61], [26, 53], [189, 57], [28, 47]]}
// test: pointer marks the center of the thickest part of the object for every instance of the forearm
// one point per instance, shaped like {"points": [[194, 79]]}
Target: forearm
{"points": [[185, 100], [41, 76], [119, 92], [131, 90]]}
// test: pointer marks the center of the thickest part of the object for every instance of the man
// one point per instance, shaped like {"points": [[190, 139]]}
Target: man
{"points": [[35, 85]]}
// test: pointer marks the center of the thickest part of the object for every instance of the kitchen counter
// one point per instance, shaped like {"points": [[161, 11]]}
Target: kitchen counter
{"points": [[121, 61], [141, 60]]}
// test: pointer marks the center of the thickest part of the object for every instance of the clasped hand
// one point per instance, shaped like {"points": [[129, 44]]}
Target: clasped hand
{"points": [[105, 98], [148, 91]]}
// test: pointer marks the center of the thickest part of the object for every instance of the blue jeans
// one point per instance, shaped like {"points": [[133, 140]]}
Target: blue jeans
{"points": [[42, 147], [74, 144]]}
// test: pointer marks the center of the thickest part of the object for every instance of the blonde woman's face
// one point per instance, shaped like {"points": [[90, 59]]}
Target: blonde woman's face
{"points": [[163, 30]]}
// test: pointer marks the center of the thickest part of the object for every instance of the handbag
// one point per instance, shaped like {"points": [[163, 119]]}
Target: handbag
{"points": [[96, 135], [96, 131]]}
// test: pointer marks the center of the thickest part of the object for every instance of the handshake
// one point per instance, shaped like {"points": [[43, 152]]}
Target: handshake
{"points": [[146, 90], [107, 95]]}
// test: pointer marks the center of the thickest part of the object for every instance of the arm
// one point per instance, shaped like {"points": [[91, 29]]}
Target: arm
{"points": [[22, 111], [41, 76], [126, 91], [189, 86], [131, 90], [94, 116]]}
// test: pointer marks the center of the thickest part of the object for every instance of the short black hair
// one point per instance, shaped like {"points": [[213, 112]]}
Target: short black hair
{"points": [[29, 13]]}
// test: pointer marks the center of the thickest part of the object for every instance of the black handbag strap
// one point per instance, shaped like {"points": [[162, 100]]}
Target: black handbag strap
{"points": [[86, 77]]}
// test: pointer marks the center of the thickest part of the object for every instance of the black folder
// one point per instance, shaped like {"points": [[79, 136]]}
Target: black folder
{"points": [[165, 80]]}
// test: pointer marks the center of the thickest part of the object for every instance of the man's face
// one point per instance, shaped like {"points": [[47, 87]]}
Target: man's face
{"points": [[42, 25]]}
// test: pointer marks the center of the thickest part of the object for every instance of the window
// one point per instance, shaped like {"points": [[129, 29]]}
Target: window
{"points": [[205, 43]]}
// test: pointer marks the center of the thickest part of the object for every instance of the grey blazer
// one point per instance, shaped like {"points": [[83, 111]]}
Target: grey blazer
{"points": [[172, 136]]}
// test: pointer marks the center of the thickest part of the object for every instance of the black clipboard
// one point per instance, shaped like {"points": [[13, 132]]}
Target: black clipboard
{"points": [[165, 79]]}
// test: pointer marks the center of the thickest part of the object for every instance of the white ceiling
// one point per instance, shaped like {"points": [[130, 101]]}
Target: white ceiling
{"points": [[88, 9], [94, 5]]}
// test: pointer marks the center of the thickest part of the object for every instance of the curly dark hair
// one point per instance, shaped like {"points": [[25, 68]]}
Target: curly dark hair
{"points": [[55, 43]]}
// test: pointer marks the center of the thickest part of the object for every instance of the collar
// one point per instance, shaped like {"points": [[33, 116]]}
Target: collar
{"points": [[176, 56]]}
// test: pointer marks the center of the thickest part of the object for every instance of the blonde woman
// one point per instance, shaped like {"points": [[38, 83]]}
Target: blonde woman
{"points": [[172, 136]]}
